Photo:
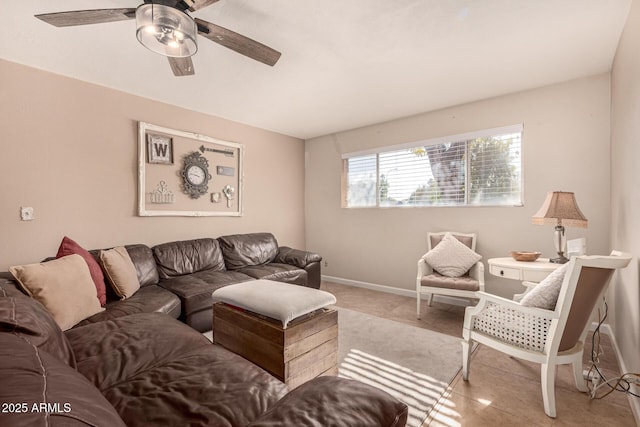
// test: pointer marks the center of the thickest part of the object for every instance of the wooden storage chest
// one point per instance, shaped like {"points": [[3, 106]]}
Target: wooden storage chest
{"points": [[307, 348]]}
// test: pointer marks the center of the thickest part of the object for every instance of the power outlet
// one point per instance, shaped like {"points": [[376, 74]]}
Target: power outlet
{"points": [[26, 214], [326, 263]]}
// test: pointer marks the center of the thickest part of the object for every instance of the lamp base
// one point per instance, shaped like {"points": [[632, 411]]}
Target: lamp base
{"points": [[560, 259]]}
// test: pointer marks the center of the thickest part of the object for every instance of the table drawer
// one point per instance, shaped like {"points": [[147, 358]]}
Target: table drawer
{"points": [[506, 272]]}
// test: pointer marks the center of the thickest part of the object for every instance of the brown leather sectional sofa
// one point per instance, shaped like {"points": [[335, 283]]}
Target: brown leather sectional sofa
{"points": [[148, 369], [134, 364], [178, 278]]}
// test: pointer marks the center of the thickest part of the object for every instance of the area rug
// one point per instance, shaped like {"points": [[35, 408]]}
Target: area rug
{"points": [[413, 364]]}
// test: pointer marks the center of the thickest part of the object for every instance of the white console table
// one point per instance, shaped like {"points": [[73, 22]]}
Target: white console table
{"points": [[533, 271]]}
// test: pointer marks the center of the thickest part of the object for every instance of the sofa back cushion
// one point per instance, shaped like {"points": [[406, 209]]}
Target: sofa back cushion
{"points": [[188, 256], [243, 250], [26, 318], [62, 396], [145, 264]]}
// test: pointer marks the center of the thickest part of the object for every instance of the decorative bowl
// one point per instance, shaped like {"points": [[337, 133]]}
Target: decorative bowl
{"points": [[525, 256]]}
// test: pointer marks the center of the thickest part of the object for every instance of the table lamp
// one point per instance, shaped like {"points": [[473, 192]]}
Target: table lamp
{"points": [[560, 208]]}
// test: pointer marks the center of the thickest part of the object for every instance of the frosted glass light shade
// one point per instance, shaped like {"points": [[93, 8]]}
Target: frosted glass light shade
{"points": [[166, 30]]}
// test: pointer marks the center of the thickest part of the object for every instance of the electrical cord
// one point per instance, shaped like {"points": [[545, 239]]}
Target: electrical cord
{"points": [[622, 383]]}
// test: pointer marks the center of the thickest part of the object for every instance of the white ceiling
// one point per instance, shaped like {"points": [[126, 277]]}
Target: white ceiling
{"points": [[344, 64]]}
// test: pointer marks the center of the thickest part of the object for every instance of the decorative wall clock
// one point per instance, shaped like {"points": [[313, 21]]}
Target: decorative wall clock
{"points": [[195, 174]]}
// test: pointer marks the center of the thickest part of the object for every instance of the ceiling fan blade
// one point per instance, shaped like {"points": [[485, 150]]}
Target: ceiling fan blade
{"points": [[241, 44], [198, 4], [84, 17], [181, 66]]}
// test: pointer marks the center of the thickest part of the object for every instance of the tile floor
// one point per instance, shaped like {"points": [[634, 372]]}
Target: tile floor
{"points": [[501, 391]]}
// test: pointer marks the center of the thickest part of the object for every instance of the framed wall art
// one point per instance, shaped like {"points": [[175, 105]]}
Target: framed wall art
{"points": [[159, 149], [187, 174]]}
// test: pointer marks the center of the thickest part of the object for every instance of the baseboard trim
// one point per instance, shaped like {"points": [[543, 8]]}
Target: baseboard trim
{"points": [[396, 291], [633, 401]]}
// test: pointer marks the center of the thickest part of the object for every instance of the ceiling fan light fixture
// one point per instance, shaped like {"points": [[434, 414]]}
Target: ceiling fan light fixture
{"points": [[166, 30]]}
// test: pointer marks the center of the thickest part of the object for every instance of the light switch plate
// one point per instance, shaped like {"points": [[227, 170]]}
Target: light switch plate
{"points": [[26, 214]]}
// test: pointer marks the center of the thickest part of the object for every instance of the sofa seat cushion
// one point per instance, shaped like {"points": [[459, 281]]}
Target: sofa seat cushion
{"points": [[242, 250], [277, 272], [187, 257], [437, 280], [194, 290], [156, 370], [32, 376], [148, 299]]}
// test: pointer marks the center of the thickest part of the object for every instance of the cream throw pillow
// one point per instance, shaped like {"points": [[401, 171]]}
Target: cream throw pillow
{"points": [[450, 257], [545, 294], [64, 286], [120, 271]]}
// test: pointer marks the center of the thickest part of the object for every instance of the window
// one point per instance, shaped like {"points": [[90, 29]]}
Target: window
{"points": [[476, 169]]}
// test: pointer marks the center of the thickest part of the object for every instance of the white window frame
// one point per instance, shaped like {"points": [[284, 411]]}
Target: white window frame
{"points": [[518, 128]]}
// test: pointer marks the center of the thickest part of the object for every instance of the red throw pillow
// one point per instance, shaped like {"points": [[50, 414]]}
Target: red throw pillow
{"points": [[69, 247]]}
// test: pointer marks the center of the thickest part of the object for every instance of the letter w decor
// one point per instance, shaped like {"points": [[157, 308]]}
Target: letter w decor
{"points": [[159, 149]]}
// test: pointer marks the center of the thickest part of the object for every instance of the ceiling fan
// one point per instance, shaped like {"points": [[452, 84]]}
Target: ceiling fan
{"points": [[165, 27]]}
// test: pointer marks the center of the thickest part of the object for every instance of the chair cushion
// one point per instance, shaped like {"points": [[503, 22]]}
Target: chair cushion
{"points": [[280, 301], [120, 271], [545, 294], [64, 286], [69, 247], [450, 257], [463, 283]]}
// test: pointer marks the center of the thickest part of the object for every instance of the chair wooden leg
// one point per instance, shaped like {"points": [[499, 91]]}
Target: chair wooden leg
{"points": [[418, 306], [429, 299], [548, 377], [466, 358], [576, 365]]}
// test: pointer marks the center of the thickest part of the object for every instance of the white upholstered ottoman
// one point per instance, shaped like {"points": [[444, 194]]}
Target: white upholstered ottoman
{"points": [[285, 329]]}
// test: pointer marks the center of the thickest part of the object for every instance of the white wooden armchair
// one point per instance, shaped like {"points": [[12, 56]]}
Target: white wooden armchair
{"points": [[543, 336], [431, 282]]}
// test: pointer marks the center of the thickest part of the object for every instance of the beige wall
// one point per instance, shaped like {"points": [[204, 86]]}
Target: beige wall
{"points": [[69, 150], [565, 147], [624, 295]]}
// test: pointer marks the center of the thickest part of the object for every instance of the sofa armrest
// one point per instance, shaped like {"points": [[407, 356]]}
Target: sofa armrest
{"points": [[297, 257], [334, 401]]}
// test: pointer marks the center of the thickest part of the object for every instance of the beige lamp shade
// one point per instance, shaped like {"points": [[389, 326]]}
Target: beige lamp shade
{"points": [[560, 208]]}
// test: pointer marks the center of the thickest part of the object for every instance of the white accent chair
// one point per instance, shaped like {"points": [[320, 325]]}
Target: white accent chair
{"points": [[543, 336], [431, 282]]}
